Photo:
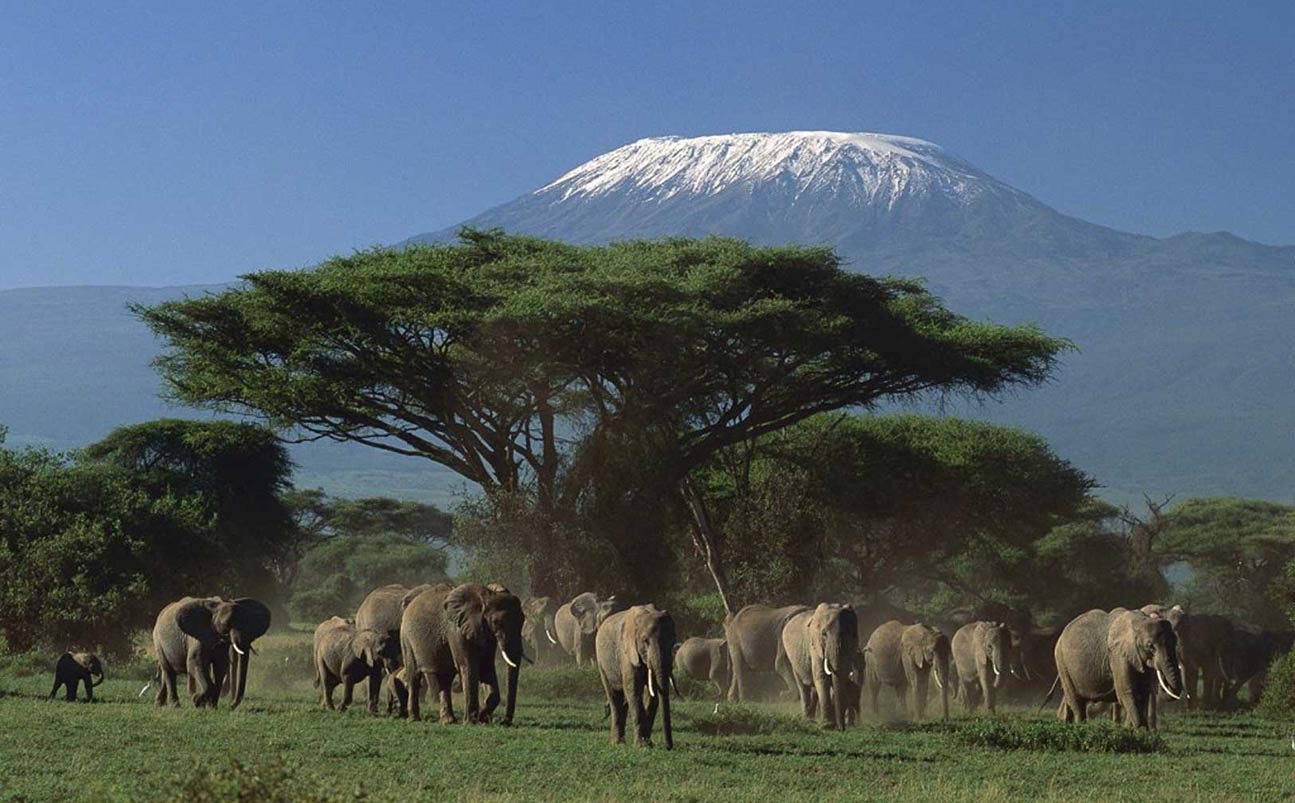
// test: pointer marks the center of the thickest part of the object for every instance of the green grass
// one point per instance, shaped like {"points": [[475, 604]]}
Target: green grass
{"points": [[281, 746]]}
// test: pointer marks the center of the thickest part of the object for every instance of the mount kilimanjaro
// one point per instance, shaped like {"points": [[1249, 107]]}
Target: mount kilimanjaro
{"points": [[1180, 383]]}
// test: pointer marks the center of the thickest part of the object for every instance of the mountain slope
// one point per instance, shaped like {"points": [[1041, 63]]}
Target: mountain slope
{"points": [[1181, 381]]}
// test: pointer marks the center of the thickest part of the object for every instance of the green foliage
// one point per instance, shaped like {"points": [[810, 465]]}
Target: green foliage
{"points": [[1278, 700], [91, 548], [271, 781], [1092, 737], [485, 355], [847, 506], [337, 572], [1239, 550]]}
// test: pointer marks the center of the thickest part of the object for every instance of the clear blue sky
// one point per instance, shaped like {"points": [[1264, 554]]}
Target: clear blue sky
{"points": [[171, 146]]}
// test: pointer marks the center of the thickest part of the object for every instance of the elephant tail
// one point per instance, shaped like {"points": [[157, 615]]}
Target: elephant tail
{"points": [[1051, 692]]}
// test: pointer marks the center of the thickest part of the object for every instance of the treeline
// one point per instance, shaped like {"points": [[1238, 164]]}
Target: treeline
{"points": [[94, 543], [690, 422]]}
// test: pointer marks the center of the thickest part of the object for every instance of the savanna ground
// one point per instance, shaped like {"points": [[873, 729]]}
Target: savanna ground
{"points": [[280, 746]]}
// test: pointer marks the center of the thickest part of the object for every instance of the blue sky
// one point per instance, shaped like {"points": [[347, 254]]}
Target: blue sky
{"points": [[163, 145]]}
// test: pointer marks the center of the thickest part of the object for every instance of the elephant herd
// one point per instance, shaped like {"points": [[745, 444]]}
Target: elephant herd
{"points": [[438, 639]]}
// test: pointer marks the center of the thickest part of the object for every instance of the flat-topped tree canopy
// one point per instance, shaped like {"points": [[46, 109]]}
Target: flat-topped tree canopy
{"points": [[467, 354]]}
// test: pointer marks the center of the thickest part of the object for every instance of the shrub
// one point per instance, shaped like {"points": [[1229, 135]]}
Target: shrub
{"points": [[740, 720], [1278, 699], [247, 782], [1092, 737], [566, 682]]}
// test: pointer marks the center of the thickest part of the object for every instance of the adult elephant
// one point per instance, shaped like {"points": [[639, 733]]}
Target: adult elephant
{"points": [[1252, 653], [456, 632], [906, 658], [981, 654], [204, 637], [539, 630], [576, 623], [754, 636], [822, 647], [1119, 657], [381, 611], [344, 654], [704, 659], [1205, 643], [633, 650]]}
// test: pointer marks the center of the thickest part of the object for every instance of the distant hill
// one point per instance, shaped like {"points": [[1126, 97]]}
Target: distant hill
{"points": [[74, 364], [1183, 382]]}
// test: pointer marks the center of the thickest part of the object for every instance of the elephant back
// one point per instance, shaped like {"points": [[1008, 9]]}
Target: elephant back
{"points": [[884, 660], [754, 634]]}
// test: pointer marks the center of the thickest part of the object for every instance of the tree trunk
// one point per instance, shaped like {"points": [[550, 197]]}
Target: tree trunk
{"points": [[704, 537]]}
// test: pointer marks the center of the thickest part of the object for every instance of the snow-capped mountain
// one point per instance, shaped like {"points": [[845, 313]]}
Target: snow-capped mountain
{"points": [[856, 169], [1174, 335]]}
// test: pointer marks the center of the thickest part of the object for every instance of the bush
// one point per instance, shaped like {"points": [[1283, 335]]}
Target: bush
{"points": [[248, 782], [740, 720], [1091, 737], [566, 682], [1278, 699]]}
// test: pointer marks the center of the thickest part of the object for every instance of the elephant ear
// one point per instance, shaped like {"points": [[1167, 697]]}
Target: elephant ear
{"points": [[464, 605], [250, 617], [583, 605], [915, 655], [195, 620], [498, 588]]}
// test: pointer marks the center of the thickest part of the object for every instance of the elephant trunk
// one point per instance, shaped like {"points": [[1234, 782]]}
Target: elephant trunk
{"points": [[941, 670], [1168, 675], [837, 668], [665, 719], [510, 694], [98, 674], [241, 660]]}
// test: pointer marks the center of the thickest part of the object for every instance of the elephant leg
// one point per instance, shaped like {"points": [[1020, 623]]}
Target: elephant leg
{"points": [[619, 710], [806, 696], [348, 692], [735, 675], [1126, 695], [987, 690], [445, 688], [782, 665], [471, 692], [649, 719], [874, 692], [89, 688], [490, 677], [414, 685], [375, 688], [1076, 711], [168, 688], [822, 700], [633, 686], [54, 690]]}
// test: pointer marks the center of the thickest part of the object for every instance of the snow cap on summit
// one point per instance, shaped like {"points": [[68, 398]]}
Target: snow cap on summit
{"points": [[874, 168]]}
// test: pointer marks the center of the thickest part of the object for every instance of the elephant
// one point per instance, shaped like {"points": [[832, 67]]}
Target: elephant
{"points": [[381, 611], [1205, 643], [205, 637], [754, 636], [633, 651], [822, 647], [1252, 652], [981, 651], [1032, 654], [704, 659], [74, 668], [576, 622], [1117, 656], [346, 655], [397, 693], [540, 629], [905, 657], [444, 634]]}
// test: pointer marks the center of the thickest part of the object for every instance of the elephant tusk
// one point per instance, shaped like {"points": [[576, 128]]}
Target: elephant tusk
{"points": [[827, 668], [996, 672], [550, 635], [936, 675], [651, 690], [507, 660], [1165, 686], [147, 686], [237, 649]]}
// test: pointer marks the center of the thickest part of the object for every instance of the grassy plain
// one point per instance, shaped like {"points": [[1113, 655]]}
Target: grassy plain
{"points": [[281, 743]]}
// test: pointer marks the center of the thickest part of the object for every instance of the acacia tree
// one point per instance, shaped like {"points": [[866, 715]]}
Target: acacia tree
{"points": [[518, 362]]}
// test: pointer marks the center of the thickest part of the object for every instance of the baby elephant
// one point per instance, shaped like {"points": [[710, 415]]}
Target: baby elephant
{"points": [[74, 668], [344, 655], [704, 659], [398, 693]]}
